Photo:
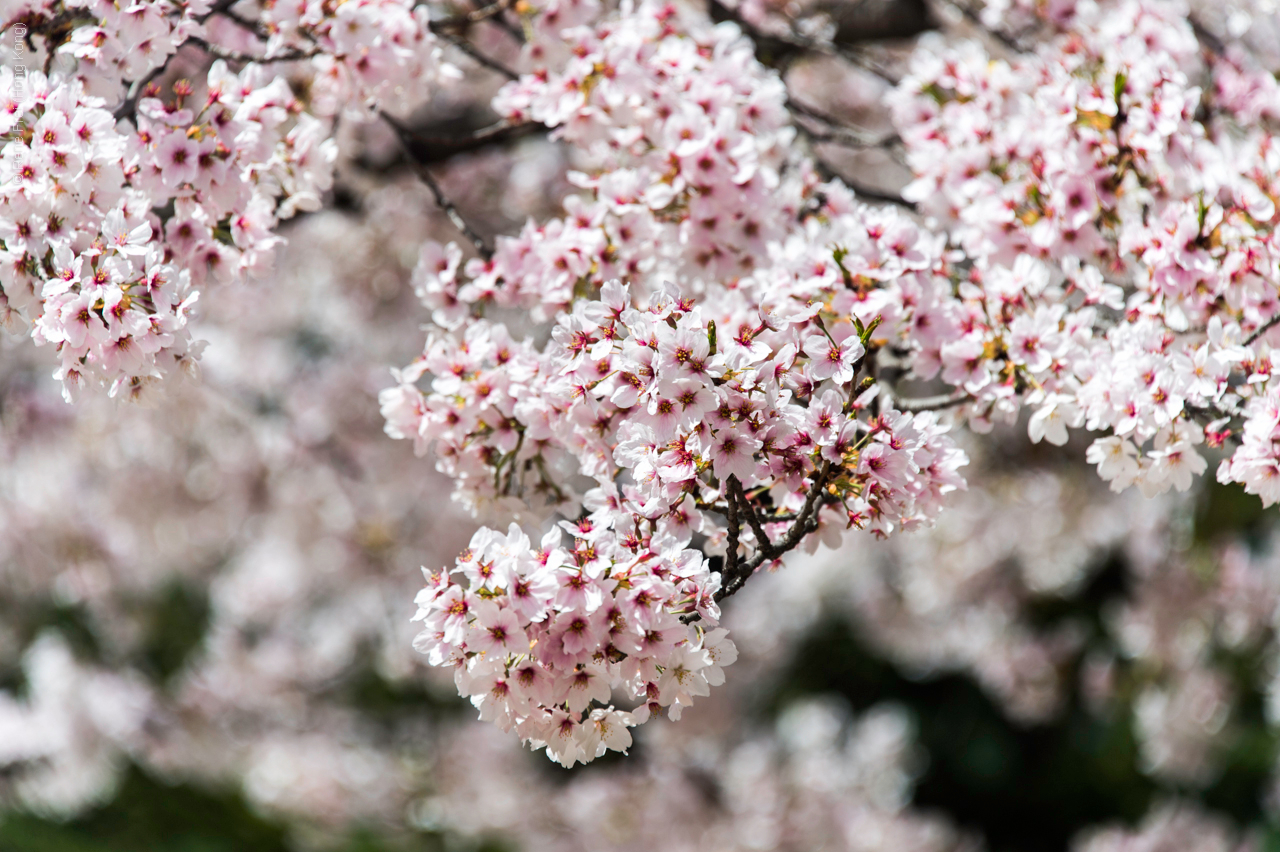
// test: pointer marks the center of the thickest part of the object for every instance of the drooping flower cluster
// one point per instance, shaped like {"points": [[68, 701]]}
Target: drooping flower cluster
{"points": [[663, 394], [540, 638]]}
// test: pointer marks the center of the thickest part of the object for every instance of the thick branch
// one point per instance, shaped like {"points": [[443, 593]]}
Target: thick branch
{"points": [[933, 403], [831, 121], [837, 132], [220, 52], [429, 148], [731, 551], [777, 51], [806, 522], [865, 192]]}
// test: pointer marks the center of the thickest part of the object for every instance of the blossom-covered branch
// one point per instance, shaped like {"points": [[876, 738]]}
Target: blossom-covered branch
{"points": [[117, 204]]}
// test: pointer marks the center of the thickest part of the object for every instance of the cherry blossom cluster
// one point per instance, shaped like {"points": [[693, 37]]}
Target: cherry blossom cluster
{"points": [[540, 638], [691, 422], [1149, 205], [118, 204], [90, 266], [364, 56], [689, 137]]}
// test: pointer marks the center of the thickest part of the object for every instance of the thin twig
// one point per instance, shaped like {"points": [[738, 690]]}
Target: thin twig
{"points": [[501, 22], [470, 50], [424, 174], [1262, 329], [130, 103], [735, 493], [481, 246], [254, 27]]}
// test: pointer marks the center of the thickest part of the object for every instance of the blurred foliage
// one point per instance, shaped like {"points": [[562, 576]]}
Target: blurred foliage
{"points": [[1226, 511], [1024, 787], [385, 701], [1031, 788], [1027, 788], [176, 621], [148, 814], [72, 622]]}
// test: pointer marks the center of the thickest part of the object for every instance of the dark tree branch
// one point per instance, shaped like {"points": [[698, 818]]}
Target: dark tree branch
{"points": [[865, 192], [771, 50], [252, 26], [470, 50], [933, 403], [731, 550], [836, 131], [800, 108], [501, 22], [861, 60], [806, 521], [216, 9], [778, 51], [220, 52], [424, 174], [427, 148], [860, 21], [129, 105], [1262, 329]]}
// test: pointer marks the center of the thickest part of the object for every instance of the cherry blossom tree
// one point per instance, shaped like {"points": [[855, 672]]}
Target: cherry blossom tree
{"points": [[772, 293]]}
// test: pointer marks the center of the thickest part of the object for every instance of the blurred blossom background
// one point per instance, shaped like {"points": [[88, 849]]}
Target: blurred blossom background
{"points": [[205, 637]]}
